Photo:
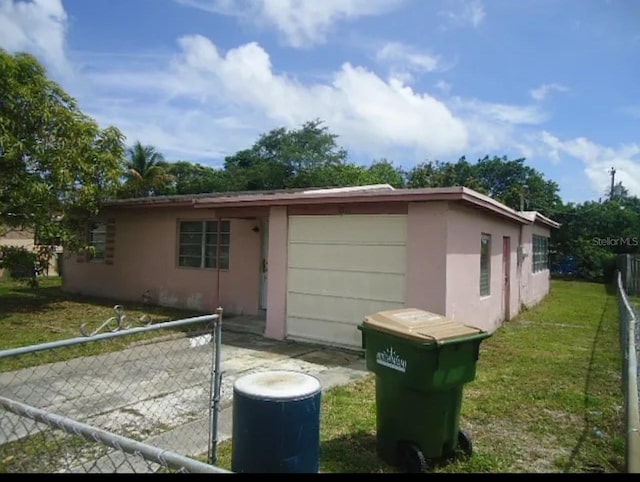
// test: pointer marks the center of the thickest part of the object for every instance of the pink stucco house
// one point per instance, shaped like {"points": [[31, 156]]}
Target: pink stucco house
{"points": [[315, 262]]}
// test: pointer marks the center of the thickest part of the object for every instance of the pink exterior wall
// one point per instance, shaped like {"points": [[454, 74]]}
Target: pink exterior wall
{"points": [[146, 259], [534, 286], [463, 302], [426, 256], [276, 325]]}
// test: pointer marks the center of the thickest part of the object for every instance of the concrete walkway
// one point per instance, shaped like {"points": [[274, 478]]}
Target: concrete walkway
{"points": [[129, 391], [332, 367]]}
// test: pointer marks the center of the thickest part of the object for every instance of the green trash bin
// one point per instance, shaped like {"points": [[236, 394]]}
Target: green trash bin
{"points": [[421, 361]]}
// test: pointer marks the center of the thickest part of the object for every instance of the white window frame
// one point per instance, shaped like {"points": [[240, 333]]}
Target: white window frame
{"points": [[98, 241], [208, 227], [485, 237], [540, 258]]}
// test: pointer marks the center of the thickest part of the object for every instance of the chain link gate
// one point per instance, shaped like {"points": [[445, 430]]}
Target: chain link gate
{"points": [[150, 386]]}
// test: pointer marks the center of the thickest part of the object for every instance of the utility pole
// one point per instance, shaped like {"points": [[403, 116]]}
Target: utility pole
{"points": [[612, 172], [524, 189]]}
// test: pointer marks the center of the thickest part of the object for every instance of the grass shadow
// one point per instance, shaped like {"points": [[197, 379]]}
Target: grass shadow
{"points": [[354, 452], [611, 288], [590, 428]]}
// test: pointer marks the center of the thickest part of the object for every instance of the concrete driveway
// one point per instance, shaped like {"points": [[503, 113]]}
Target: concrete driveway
{"points": [[158, 392]]}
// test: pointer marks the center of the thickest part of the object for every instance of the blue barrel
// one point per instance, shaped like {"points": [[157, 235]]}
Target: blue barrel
{"points": [[276, 423]]}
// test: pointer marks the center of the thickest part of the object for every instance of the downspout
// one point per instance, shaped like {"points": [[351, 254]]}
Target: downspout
{"points": [[519, 263]]}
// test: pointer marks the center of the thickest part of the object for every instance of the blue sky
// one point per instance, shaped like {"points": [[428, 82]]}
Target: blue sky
{"points": [[556, 82]]}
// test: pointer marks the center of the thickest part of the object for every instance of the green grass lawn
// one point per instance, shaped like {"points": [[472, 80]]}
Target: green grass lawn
{"points": [[547, 396], [37, 315]]}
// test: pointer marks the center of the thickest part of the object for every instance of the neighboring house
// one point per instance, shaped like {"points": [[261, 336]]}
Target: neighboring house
{"points": [[316, 261], [26, 239]]}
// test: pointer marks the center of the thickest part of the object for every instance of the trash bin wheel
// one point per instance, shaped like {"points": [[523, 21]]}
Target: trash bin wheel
{"points": [[412, 459], [464, 443]]}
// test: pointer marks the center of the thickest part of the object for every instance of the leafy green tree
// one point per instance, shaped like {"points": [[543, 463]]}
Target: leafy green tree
{"points": [[57, 165], [511, 181], [285, 158], [508, 181], [619, 191], [594, 233], [334, 175], [445, 174], [384, 172], [190, 178], [423, 175], [146, 172]]}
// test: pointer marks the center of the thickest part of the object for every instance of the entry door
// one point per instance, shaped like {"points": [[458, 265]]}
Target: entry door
{"points": [[506, 270], [264, 265]]}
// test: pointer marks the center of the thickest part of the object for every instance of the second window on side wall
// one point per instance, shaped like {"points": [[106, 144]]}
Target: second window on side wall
{"points": [[200, 247], [540, 253], [98, 240], [485, 264]]}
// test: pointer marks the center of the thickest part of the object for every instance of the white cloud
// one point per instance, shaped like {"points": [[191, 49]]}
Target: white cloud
{"points": [[301, 22], [444, 86], [399, 53], [502, 113], [186, 97], [540, 93], [38, 27], [465, 13], [598, 159], [632, 110], [405, 60], [496, 127], [358, 105]]}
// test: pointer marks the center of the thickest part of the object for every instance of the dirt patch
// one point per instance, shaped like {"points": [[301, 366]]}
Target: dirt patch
{"points": [[528, 452]]}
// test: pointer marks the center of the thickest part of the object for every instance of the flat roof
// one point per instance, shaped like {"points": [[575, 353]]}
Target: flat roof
{"points": [[537, 217], [314, 196]]}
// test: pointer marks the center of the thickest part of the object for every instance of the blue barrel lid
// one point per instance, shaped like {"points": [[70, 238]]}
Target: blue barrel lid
{"points": [[277, 385]]}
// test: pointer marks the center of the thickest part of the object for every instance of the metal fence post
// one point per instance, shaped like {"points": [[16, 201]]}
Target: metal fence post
{"points": [[216, 386], [630, 380]]}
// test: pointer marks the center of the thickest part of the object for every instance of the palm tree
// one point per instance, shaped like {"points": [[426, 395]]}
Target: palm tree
{"points": [[146, 171]]}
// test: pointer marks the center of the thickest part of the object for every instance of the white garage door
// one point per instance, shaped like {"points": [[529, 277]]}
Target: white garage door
{"points": [[341, 268]]}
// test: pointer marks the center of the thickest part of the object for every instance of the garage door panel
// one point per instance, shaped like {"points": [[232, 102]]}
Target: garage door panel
{"points": [[330, 333], [384, 259], [341, 310], [355, 284], [357, 229]]}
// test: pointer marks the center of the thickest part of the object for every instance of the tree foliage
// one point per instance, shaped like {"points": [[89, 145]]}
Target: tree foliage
{"points": [[593, 233], [508, 181], [284, 158], [57, 165], [146, 172], [190, 178]]}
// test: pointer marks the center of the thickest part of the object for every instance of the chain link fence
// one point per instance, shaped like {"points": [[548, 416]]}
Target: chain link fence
{"points": [[149, 384], [61, 444], [630, 343], [629, 266]]}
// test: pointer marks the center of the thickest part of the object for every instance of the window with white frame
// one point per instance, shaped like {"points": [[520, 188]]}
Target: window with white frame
{"points": [[540, 253], [98, 241], [201, 247], [485, 264]]}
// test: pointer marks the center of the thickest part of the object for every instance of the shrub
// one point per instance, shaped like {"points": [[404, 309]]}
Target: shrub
{"points": [[23, 264]]}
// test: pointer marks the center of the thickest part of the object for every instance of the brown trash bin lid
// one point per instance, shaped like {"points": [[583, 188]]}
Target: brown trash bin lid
{"points": [[419, 325]]}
